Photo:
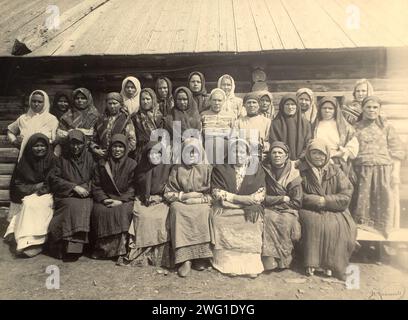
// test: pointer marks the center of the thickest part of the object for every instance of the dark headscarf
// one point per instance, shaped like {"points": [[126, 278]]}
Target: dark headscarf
{"points": [[270, 168], [295, 130], [55, 108], [117, 164], [165, 103], [321, 145], [152, 94], [201, 96], [115, 96], [79, 164]]}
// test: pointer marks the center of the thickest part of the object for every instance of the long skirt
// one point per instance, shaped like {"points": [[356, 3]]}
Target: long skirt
{"points": [[281, 230], [190, 231], [149, 231], [328, 239], [70, 225], [373, 204], [30, 224], [237, 242], [109, 227]]}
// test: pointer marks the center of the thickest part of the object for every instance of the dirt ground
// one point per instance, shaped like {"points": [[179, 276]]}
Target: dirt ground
{"points": [[89, 279]]}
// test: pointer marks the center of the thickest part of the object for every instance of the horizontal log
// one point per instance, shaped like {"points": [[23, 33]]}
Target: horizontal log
{"points": [[4, 142], [8, 155], [6, 168], [4, 195], [5, 181]]}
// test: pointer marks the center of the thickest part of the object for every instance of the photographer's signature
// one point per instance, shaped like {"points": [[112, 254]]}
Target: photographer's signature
{"points": [[390, 292]]}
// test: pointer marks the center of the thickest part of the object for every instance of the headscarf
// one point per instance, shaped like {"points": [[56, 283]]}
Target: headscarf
{"points": [[165, 103], [321, 145], [311, 113], [380, 121], [232, 92], [201, 96], [224, 96], [152, 94], [85, 117], [117, 164], [115, 96], [292, 130], [370, 89], [55, 108], [233, 104], [271, 111], [131, 103]]}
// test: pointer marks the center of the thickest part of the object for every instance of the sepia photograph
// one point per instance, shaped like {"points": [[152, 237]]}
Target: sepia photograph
{"points": [[221, 151]]}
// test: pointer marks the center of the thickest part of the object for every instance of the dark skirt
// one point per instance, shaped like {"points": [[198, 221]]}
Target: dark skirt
{"points": [[110, 246]]}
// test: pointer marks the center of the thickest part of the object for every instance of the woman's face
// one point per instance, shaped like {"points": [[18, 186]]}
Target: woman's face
{"points": [[63, 103], [118, 150], [76, 147], [130, 89], [240, 153], [191, 155], [80, 100], [39, 149], [226, 85], [163, 89], [265, 103], [217, 100], [252, 106], [278, 157], [195, 83], [182, 100], [360, 92], [37, 102], [327, 111], [318, 158], [289, 108], [146, 101], [155, 157], [113, 106], [304, 102], [371, 110]]}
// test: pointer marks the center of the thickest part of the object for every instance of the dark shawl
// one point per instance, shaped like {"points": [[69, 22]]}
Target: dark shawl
{"points": [[31, 170], [200, 97], [166, 104], [114, 178], [55, 109], [295, 131], [72, 171]]}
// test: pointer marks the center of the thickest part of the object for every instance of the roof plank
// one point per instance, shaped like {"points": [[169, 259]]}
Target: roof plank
{"points": [[208, 39], [228, 41]]}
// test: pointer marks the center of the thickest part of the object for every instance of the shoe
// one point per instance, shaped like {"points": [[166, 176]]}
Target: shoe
{"points": [[199, 265], [253, 275], [184, 270], [328, 273], [310, 271]]}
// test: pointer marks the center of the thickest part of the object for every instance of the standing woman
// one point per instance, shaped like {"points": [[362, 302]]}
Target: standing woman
{"points": [[146, 120], [232, 104], [306, 100], [352, 110], [291, 127], [62, 103], [114, 194], [266, 107], [188, 191], [71, 186], [377, 168], [131, 94], [328, 230], [282, 202], [150, 227], [114, 121], [29, 187], [196, 83], [83, 116], [164, 89], [236, 220]]}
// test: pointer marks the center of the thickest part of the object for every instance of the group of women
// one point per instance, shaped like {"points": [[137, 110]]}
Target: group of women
{"points": [[103, 180]]}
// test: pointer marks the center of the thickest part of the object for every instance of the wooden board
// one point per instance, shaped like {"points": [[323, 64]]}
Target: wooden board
{"points": [[5, 182], [6, 168], [8, 155], [4, 195], [397, 235]]}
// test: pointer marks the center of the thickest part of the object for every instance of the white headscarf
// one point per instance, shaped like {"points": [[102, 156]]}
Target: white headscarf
{"points": [[131, 103], [233, 103]]}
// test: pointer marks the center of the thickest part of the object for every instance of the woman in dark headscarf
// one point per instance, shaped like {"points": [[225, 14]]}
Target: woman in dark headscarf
{"points": [[71, 185], [146, 120], [196, 83], [291, 127], [29, 187], [61, 104], [150, 229], [188, 191], [238, 189], [113, 192], [114, 121], [328, 230], [282, 202], [164, 92], [82, 116]]}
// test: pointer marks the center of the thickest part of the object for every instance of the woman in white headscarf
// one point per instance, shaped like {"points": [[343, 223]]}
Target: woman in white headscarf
{"points": [[305, 99], [130, 92], [232, 104]]}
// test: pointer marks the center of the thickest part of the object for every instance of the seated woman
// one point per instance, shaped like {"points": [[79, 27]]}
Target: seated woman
{"points": [[232, 104], [188, 191], [29, 187], [306, 100], [70, 184], [377, 168], [328, 230], [164, 92], [114, 194], [266, 107], [282, 202], [196, 83], [331, 126], [150, 228], [291, 127], [82, 116], [131, 94], [114, 121], [236, 219]]}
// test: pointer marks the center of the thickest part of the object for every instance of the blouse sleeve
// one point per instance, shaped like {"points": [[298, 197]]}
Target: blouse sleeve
{"points": [[14, 128], [352, 148]]}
